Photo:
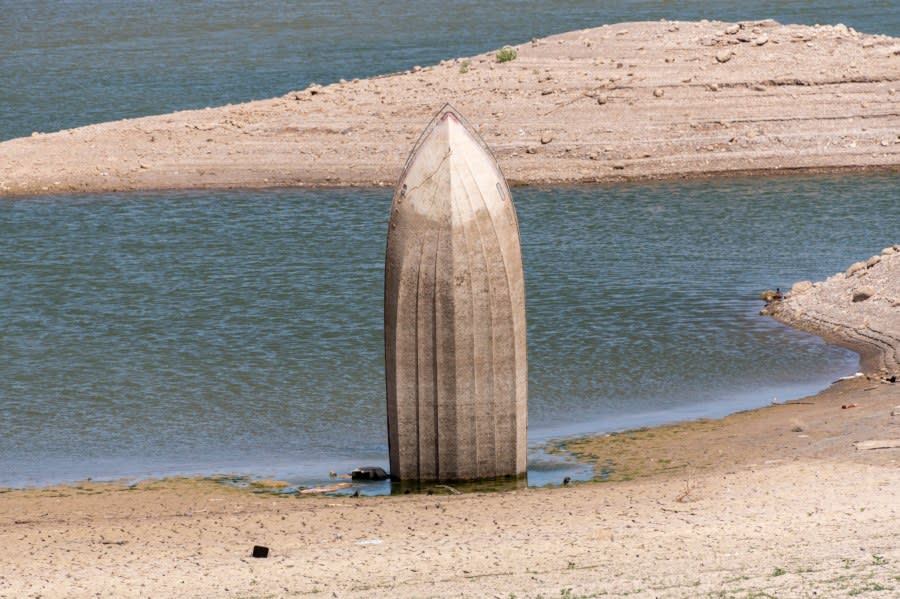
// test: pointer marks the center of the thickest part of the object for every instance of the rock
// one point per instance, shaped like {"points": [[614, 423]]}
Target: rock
{"points": [[801, 287], [659, 92], [855, 268], [724, 55], [873, 261], [862, 294], [369, 473], [888, 251], [761, 40], [732, 29], [531, 150], [745, 37], [770, 296], [602, 100], [546, 137]]}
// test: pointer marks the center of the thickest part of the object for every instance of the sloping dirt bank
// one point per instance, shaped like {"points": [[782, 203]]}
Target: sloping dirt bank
{"points": [[858, 309], [617, 102]]}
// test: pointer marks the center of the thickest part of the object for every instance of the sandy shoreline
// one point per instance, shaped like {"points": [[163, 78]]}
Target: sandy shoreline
{"points": [[619, 102], [858, 309], [781, 500]]}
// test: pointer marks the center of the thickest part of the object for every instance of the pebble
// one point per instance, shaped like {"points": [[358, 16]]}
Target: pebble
{"points": [[546, 137], [862, 294], [732, 29], [724, 56], [855, 268], [659, 92], [761, 40]]}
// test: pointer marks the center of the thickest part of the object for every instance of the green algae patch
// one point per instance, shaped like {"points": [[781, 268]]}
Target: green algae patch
{"points": [[644, 452]]}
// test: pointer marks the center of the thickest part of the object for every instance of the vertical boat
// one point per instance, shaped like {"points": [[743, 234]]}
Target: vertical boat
{"points": [[454, 314]]}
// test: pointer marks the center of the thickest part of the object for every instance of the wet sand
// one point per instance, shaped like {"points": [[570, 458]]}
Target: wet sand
{"points": [[619, 102]]}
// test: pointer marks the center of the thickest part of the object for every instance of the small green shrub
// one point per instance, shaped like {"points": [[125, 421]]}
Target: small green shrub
{"points": [[464, 66], [506, 54]]}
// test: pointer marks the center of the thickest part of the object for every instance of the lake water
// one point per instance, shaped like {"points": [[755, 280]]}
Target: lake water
{"points": [[66, 64], [166, 333], [152, 334]]}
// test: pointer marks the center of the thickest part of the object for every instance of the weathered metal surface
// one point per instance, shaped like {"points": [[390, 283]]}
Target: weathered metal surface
{"points": [[455, 346]]}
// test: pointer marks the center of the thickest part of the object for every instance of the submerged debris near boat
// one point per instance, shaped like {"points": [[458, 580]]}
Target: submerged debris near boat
{"points": [[455, 347]]}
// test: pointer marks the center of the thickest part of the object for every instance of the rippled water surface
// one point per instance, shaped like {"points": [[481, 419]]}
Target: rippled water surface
{"points": [[175, 333], [242, 331]]}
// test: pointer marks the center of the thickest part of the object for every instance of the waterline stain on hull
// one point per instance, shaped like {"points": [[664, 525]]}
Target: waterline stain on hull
{"points": [[455, 335]]}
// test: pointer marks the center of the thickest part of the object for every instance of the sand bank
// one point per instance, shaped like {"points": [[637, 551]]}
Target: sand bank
{"points": [[858, 309], [618, 102], [776, 501]]}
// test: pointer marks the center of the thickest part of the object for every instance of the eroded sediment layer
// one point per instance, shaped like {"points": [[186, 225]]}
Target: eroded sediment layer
{"points": [[624, 101], [858, 309]]}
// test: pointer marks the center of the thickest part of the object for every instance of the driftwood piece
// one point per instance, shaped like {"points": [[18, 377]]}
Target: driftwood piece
{"points": [[454, 319], [325, 489], [878, 444]]}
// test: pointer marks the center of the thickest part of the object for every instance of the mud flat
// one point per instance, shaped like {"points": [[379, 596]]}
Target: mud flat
{"points": [[617, 102]]}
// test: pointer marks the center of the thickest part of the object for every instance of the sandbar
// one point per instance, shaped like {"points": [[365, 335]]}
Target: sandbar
{"points": [[614, 103]]}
